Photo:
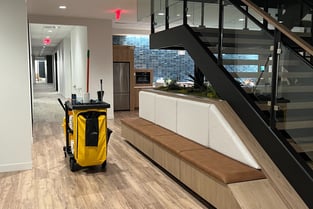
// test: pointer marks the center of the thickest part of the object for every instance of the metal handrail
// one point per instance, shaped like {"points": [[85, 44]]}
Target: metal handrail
{"points": [[283, 29]]}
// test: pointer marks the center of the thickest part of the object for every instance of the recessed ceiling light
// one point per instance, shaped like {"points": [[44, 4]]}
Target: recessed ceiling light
{"points": [[241, 20], [161, 14], [62, 7], [49, 31]]}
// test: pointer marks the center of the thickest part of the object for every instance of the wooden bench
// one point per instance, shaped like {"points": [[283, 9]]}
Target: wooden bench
{"points": [[202, 169]]}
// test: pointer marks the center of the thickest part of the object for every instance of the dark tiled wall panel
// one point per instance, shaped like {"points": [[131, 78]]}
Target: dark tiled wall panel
{"points": [[167, 64]]}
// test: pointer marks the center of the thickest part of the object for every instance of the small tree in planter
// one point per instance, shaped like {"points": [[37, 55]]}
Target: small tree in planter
{"points": [[198, 79], [172, 85]]}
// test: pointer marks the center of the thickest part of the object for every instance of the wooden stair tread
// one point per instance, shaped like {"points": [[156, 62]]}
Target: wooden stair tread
{"points": [[288, 106], [234, 41], [232, 50], [294, 125], [301, 140], [293, 89], [268, 75], [302, 147]]}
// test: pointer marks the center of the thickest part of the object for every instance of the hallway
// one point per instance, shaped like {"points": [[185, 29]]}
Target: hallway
{"points": [[129, 181]]}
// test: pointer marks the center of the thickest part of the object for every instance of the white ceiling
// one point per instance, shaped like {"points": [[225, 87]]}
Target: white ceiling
{"points": [[40, 31], [102, 9]]}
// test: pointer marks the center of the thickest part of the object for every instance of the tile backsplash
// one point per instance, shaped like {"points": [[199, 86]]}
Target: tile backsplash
{"points": [[166, 64], [175, 64]]}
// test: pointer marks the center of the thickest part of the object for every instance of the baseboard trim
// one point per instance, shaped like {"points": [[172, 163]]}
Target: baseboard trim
{"points": [[16, 167]]}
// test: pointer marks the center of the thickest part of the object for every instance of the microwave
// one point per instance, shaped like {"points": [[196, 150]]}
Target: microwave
{"points": [[143, 77]]}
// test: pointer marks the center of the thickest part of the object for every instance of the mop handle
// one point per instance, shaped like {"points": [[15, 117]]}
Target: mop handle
{"points": [[88, 62]]}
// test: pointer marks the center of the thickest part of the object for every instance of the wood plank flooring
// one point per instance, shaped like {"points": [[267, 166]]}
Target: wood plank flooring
{"points": [[129, 181]]}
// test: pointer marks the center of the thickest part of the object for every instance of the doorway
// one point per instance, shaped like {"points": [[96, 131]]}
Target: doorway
{"points": [[40, 70], [56, 71]]}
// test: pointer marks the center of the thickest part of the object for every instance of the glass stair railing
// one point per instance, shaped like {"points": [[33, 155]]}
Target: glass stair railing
{"points": [[296, 15], [294, 98], [275, 78], [247, 55]]}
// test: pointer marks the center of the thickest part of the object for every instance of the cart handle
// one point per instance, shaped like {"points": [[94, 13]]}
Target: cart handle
{"points": [[62, 105]]}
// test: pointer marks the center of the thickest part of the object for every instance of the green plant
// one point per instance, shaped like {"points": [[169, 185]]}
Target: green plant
{"points": [[198, 79], [206, 91], [211, 93], [172, 85]]}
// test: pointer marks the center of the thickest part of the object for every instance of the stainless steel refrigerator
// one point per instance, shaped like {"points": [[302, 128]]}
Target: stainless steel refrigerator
{"points": [[121, 75]]}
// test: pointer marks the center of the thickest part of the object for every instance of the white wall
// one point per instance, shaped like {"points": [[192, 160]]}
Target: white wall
{"points": [[99, 42], [64, 80], [67, 67], [101, 60], [15, 123], [60, 69], [79, 59]]}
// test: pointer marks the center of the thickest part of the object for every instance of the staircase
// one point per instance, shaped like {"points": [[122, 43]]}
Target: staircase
{"points": [[296, 15], [295, 88], [294, 115], [271, 92]]}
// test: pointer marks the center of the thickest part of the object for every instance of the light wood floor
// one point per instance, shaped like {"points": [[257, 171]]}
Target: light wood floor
{"points": [[129, 181]]}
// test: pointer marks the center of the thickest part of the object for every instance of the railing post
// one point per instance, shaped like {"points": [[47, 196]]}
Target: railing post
{"points": [[265, 23], [221, 32], [185, 12], [276, 55], [152, 16], [246, 19], [279, 11], [301, 13], [311, 57], [202, 14], [167, 16]]}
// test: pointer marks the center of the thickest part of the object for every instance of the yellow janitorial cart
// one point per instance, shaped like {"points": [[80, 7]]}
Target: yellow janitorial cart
{"points": [[86, 133]]}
